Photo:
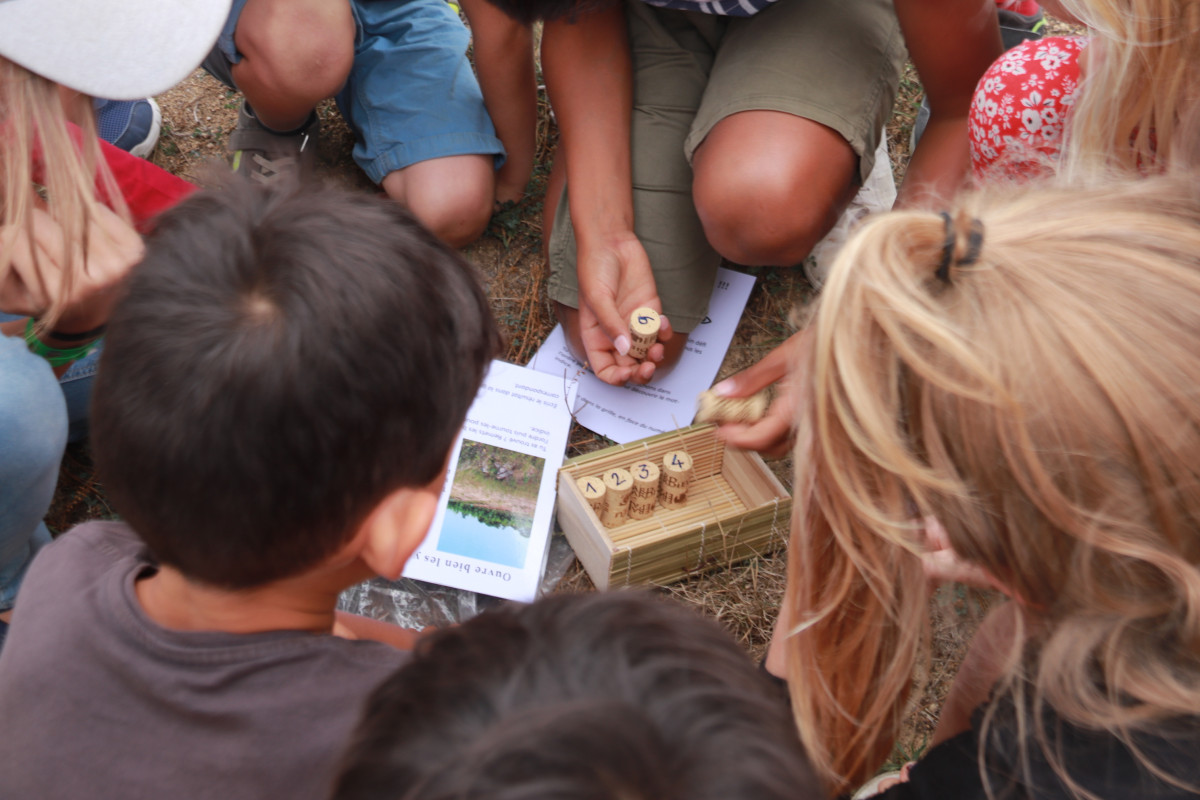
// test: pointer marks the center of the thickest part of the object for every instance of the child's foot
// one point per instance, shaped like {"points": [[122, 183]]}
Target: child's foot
{"points": [[507, 194], [263, 154], [1020, 21], [132, 125]]}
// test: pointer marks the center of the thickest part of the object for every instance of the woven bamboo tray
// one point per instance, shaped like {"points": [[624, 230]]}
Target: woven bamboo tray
{"points": [[736, 509]]}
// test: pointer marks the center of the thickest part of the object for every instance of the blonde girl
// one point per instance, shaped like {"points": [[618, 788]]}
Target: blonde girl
{"points": [[1136, 110], [52, 297], [66, 235], [1021, 375], [61, 249]]}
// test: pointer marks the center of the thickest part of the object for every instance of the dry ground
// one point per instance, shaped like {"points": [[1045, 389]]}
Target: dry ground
{"points": [[199, 114]]}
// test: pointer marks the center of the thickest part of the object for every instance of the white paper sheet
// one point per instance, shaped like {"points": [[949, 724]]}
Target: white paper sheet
{"points": [[626, 413], [492, 527]]}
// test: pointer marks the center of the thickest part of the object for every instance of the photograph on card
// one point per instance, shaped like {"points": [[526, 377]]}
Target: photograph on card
{"points": [[493, 497]]}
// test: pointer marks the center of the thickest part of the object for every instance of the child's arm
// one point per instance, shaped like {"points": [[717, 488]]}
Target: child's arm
{"points": [[354, 626], [504, 64], [993, 652], [952, 43], [31, 283], [589, 75]]}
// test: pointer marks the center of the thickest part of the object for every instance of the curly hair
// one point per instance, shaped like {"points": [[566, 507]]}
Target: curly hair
{"points": [[1041, 399]]}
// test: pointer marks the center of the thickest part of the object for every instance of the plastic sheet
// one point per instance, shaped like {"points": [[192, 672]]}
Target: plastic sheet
{"points": [[416, 604]]}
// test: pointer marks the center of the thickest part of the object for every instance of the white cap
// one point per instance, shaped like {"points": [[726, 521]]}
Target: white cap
{"points": [[117, 49]]}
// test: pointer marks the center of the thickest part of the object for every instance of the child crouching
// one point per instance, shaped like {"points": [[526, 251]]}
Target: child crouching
{"points": [[280, 390]]}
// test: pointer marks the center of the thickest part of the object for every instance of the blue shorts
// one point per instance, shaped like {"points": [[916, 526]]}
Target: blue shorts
{"points": [[411, 95]]}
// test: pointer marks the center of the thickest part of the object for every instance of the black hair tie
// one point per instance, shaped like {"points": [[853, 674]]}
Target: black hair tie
{"points": [[974, 245]]}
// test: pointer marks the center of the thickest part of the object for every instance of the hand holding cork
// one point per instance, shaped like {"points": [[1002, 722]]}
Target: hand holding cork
{"points": [[711, 407], [644, 325], [774, 433]]}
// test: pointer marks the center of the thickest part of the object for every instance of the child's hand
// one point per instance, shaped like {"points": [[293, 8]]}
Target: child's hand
{"points": [[775, 433], [614, 279], [943, 565], [31, 287]]}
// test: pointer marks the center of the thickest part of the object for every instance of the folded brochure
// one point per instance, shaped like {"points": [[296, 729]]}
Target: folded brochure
{"points": [[492, 528]]}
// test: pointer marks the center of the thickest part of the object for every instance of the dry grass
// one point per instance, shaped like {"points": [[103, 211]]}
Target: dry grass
{"points": [[199, 114]]}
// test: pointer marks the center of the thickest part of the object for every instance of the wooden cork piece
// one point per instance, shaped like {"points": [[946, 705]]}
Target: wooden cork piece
{"points": [[645, 489], [711, 408], [618, 485], [644, 325], [676, 478], [593, 491]]}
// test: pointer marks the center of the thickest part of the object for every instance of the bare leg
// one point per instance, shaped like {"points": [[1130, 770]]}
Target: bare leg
{"points": [[452, 196], [769, 185], [295, 54], [776, 661], [504, 65]]}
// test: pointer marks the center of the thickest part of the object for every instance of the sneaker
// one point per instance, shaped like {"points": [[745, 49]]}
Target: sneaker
{"points": [[132, 125], [1016, 27], [263, 154]]}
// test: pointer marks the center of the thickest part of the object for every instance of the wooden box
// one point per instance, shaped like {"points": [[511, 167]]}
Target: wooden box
{"points": [[736, 509]]}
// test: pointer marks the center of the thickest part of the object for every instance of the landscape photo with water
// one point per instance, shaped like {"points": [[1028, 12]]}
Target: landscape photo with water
{"points": [[492, 502]]}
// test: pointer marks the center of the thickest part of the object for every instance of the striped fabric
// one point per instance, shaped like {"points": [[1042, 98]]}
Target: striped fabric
{"points": [[727, 8]]}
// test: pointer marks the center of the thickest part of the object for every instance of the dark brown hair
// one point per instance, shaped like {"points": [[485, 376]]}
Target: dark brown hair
{"points": [[588, 697], [284, 358]]}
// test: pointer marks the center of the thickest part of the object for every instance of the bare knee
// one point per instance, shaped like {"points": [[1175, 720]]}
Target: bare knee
{"points": [[762, 215], [453, 197], [459, 219], [769, 185], [295, 48]]}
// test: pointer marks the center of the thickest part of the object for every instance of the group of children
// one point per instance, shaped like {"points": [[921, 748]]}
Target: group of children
{"points": [[1003, 391]]}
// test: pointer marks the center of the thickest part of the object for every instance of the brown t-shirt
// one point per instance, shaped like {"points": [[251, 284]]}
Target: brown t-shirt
{"points": [[98, 701]]}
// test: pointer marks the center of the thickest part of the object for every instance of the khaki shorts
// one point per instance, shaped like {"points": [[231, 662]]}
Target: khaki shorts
{"points": [[836, 62]]}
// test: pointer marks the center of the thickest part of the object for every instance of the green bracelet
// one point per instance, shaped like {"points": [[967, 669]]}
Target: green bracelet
{"points": [[57, 358]]}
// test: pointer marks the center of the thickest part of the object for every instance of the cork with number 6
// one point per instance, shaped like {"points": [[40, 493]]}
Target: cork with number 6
{"points": [[644, 325]]}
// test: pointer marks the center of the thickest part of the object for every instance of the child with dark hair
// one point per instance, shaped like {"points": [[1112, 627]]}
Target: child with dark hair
{"points": [[590, 697], [281, 387]]}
